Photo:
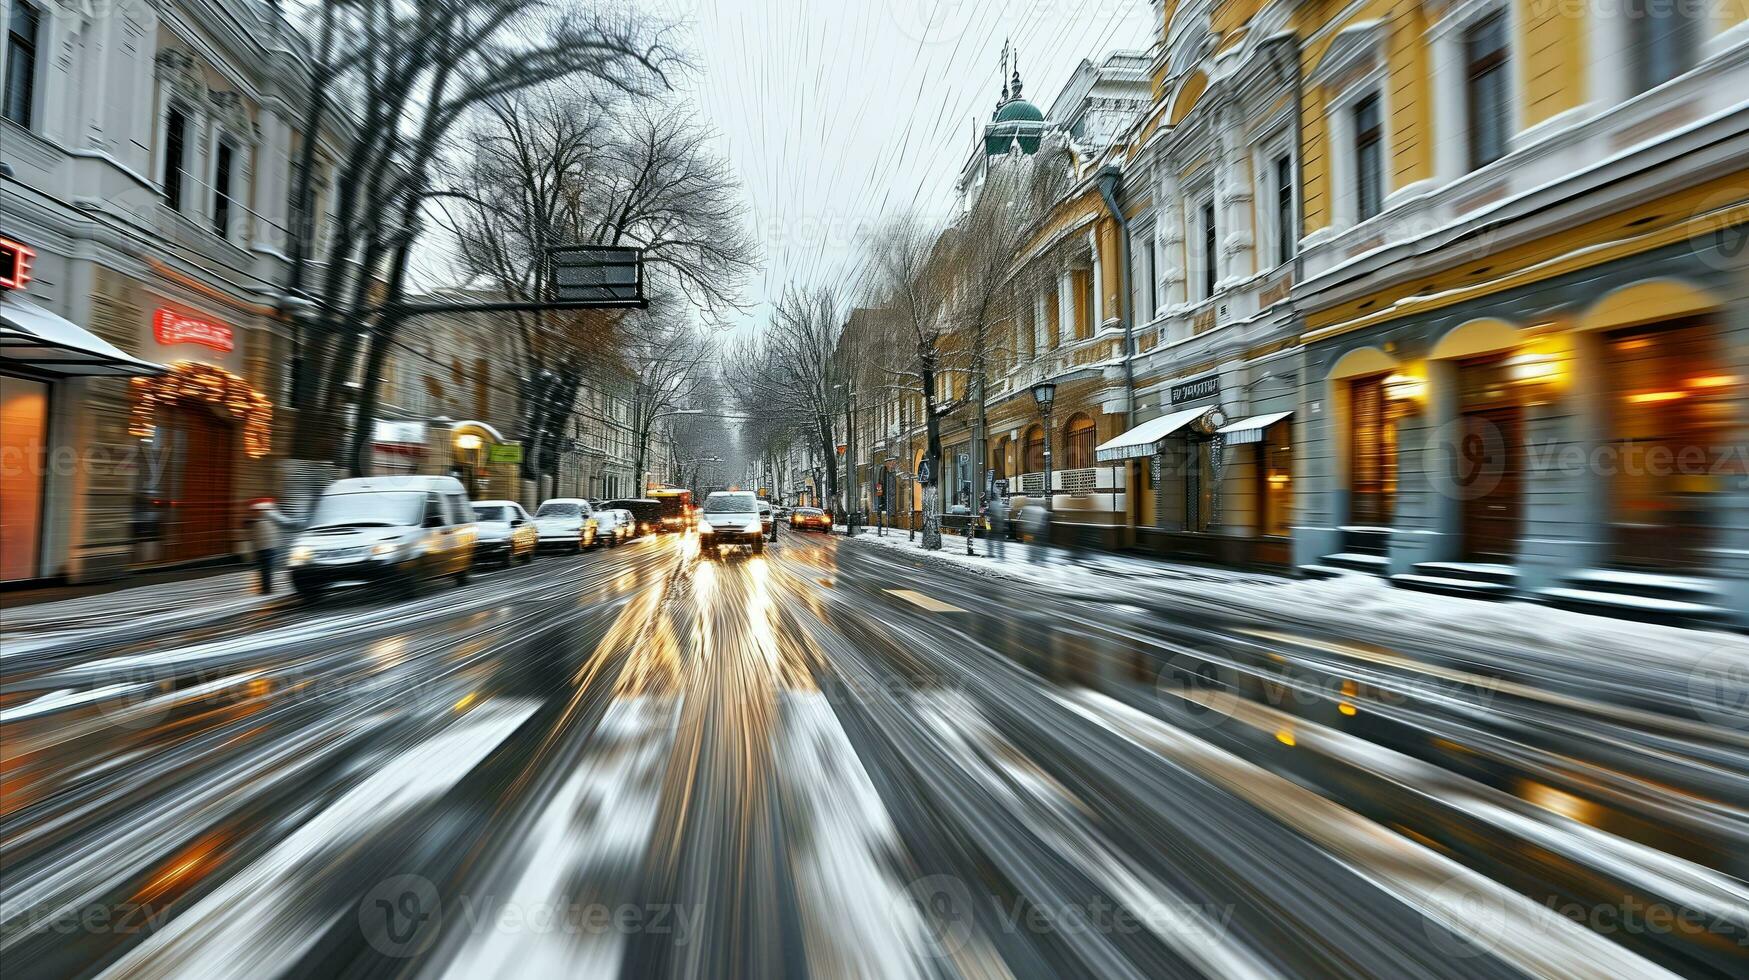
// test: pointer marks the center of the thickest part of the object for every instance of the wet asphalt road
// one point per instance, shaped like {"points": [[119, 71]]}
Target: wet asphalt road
{"points": [[837, 760]]}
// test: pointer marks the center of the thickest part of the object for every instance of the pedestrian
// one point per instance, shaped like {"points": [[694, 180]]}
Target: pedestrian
{"points": [[1038, 531], [264, 527], [998, 527]]}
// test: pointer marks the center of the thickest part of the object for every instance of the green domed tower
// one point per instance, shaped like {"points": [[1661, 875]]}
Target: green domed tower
{"points": [[1015, 119]]}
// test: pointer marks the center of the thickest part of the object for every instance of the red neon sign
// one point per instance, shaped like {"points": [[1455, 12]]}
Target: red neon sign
{"points": [[171, 327], [15, 259]]}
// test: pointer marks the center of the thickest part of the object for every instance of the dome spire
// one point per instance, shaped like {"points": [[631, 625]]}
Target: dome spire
{"points": [[1017, 73], [1004, 73]]}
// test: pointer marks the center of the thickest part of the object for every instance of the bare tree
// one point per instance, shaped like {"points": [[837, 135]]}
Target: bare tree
{"points": [[791, 373], [667, 364], [405, 75], [990, 281], [548, 168], [912, 279]]}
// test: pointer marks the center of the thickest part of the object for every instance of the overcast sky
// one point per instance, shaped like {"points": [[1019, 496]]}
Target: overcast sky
{"points": [[836, 113]]}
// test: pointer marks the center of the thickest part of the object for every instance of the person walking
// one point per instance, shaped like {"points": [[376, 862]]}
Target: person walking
{"points": [[998, 527], [1038, 531], [265, 529]]}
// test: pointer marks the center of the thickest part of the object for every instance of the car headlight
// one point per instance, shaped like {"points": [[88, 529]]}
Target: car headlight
{"points": [[704, 527], [302, 553], [384, 549]]}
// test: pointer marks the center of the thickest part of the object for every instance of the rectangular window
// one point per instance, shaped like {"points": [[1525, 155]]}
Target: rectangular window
{"points": [[175, 136], [1153, 289], [1208, 250], [1664, 40], [1485, 57], [1154, 275], [1369, 164], [21, 40], [1089, 304], [222, 192], [1275, 467], [1286, 232]]}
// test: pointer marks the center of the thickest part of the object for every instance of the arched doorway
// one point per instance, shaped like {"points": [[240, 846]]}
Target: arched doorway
{"points": [[202, 505], [1033, 453], [194, 421], [1484, 446], [1358, 388], [1669, 406], [1078, 442]]}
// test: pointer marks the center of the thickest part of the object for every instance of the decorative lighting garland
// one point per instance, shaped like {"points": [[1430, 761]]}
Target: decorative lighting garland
{"points": [[212, 385]]}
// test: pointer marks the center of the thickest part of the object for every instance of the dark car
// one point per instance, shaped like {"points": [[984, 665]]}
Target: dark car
{"points": [[646, 512]]}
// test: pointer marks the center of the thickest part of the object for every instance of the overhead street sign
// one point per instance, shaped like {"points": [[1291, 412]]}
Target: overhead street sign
{"points": [[598, 275]]}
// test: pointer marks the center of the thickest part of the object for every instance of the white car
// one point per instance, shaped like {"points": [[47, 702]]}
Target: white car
{"points": [[613, 525], [565, 523], [730, 517], [505, 532]]}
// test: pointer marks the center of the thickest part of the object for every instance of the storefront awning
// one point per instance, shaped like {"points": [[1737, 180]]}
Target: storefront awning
{"points": [[1144, 440], [33, 337], [1249, 430]]}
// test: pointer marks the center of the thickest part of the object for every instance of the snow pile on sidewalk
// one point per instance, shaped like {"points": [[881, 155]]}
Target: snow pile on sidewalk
{"points": [[28, 628], [1355, 606]]}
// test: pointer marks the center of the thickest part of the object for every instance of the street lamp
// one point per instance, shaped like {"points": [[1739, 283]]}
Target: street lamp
{"points": [[852, 489], [1045, 394]]}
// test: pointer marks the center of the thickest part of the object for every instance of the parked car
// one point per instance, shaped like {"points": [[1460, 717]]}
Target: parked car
{"points": [[505, 532], [645, 511], [765, 517], [613, 525], [730, 517], [565, 523], [809, 519], [399, 530]]}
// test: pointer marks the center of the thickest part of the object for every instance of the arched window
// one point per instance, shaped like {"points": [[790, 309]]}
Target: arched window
{"points": [[999, 459], [1035, 450], [1078, 442]]}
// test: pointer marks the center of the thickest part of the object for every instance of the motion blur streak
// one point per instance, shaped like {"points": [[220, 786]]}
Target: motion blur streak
{"points": [[645, 763]]}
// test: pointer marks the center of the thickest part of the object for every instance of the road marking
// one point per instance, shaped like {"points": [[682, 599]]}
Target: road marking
{"points": [[928, 602]]}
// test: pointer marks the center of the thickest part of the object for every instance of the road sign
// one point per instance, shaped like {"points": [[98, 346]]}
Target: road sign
{"points": [[504, 452], [926, 471], [601, 275]]}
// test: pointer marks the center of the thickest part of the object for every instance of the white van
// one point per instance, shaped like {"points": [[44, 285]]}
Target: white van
{"points": [[730, 517], [396, 529]]}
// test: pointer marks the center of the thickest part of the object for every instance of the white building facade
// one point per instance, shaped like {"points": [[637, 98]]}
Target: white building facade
{"points": [[149, 150]]}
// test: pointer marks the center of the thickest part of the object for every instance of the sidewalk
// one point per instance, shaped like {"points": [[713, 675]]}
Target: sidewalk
{"points": [[106, 615], [1354, 606]]}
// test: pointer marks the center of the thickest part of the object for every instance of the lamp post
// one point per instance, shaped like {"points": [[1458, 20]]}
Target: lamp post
{"points": [[1045, 395], [852, 491], [971, 503]]}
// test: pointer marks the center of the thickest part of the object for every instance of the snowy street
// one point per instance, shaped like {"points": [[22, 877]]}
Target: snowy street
{"points": [[844, 757]]}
